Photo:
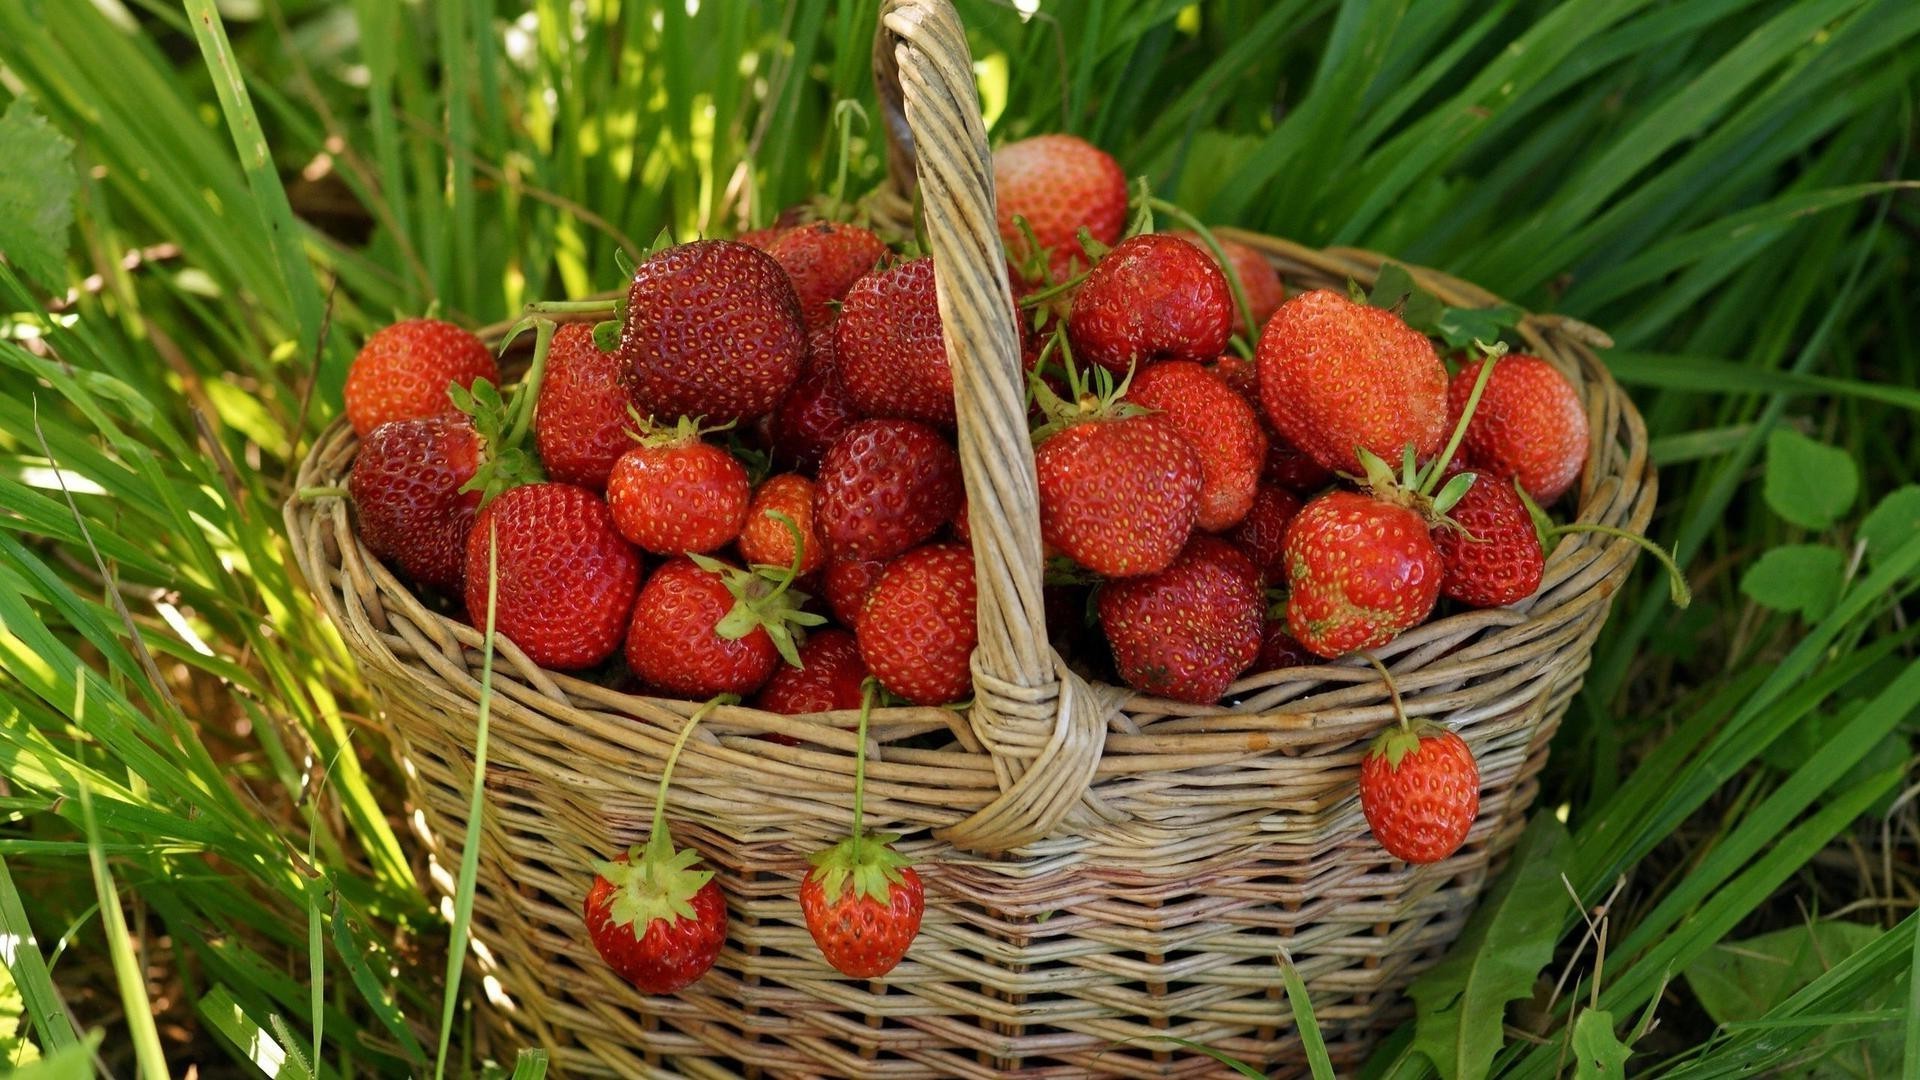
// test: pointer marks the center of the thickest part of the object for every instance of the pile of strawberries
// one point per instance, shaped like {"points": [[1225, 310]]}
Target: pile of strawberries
{"points": [[740, 479]]}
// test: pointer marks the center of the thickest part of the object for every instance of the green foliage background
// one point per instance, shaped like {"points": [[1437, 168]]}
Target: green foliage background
{"points": [[205, 206]]}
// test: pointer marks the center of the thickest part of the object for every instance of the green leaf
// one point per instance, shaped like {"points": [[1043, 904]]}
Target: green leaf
{"points": [[36, 194], [1808, 483], [1462, 1000], [1798, 577], [1895, 518], [73, 1063], [1598, 1054], [1744, 980], [1315, 1045]]}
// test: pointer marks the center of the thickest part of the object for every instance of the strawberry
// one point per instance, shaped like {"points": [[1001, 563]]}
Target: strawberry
{"points": [[657, 921], [1119, 490], [1153, 297], [828, 678], [1420, 791], [1291, 468], [703, 627], [1219, 424], [766, 540], [886, 485], [1494, 557], [1241, 375], [893, 358], [1262, 534], [1059, 184], [674, 494], [1279, 649], [1360, 571], [581, 420], [824, 259], [1337, 376], [815, 411], [713, 330], [917, 630], [1529, 425], [848, 583], [1258, 279], [565, 577], [403, 371], [763, 238], [1187, 632], [406, 486]]}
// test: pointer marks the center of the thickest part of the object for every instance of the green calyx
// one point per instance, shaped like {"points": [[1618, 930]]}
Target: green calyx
{"points": [[866, 863], [1092, 395], [1396, 742], [504, 463], [764, 598], [655, 882], [683, 431]]}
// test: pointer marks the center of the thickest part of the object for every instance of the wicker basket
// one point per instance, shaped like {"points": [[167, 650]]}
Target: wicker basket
{"points": [[1101, 868]]}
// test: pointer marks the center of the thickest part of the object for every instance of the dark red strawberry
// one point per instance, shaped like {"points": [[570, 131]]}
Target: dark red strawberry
{"points": [[917, 631], [406, 485], [1188, 631], [886, 485], [1360, 572], [1262, 534], [1059, 184], [815, 411], [1420, 791], [403, 371], [848, 583], [1291, 468], [703, 627], [1337, 376], [763, 238], [766, 540], [1219, 424], [674, 494], [1241, 375], [827, 680], [584, 412], [892, 356], [1530, 425], [566, 579], [1493, 558], [824, 259], [713, 330], [1118, 493], [1279, 649], [1258, 279], [1154, 297]]}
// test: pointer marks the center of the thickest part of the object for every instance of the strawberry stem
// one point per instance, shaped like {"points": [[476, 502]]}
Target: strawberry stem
{"points": [[1439, 465], [1677, 586], [867, 691], [1393, 691], [321, 491], [528, 392], [660, 842], [845, 112], [573, 307], [1206, 236]]}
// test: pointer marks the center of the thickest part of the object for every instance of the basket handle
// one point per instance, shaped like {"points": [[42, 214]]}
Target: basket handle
{"points": [[1044, 726]]}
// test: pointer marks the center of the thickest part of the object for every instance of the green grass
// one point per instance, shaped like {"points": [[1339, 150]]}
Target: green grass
{"points": [[1721, 184]]}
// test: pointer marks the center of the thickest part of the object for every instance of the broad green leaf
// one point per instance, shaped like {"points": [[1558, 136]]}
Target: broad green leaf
{"points": [[1893, 520], [73, 1063], [1798, 577], [1598, 1054], [1462, 1001], [1809, 483], [36, 194], [1743, 980]]}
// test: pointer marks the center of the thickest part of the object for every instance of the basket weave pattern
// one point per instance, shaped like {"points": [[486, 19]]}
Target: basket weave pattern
{"points": [[1101, 867]]}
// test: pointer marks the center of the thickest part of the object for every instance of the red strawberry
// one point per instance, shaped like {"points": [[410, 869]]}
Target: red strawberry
{"points": [[403, 371], [1220, 425], [828, 678], [763, 238], [1187, 632], [765, 539], [917, 632], [886, 485], [702, 627], [406, 485], [862, 904], [1530, 424], [580, 425], [1153, 297], [1336, 376], [1059, 184], [565, 577], [1360, 571], [1279, 649], [713, 330], [1420, 791], [659, 924], [1291, 468], [815, 411], [824, 259], [675, 494], [962, 524], [1262, 534], [1258, 279], [1494, 558], [1241, 375], [848, 583], [1118, 494], [892, 356]]}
